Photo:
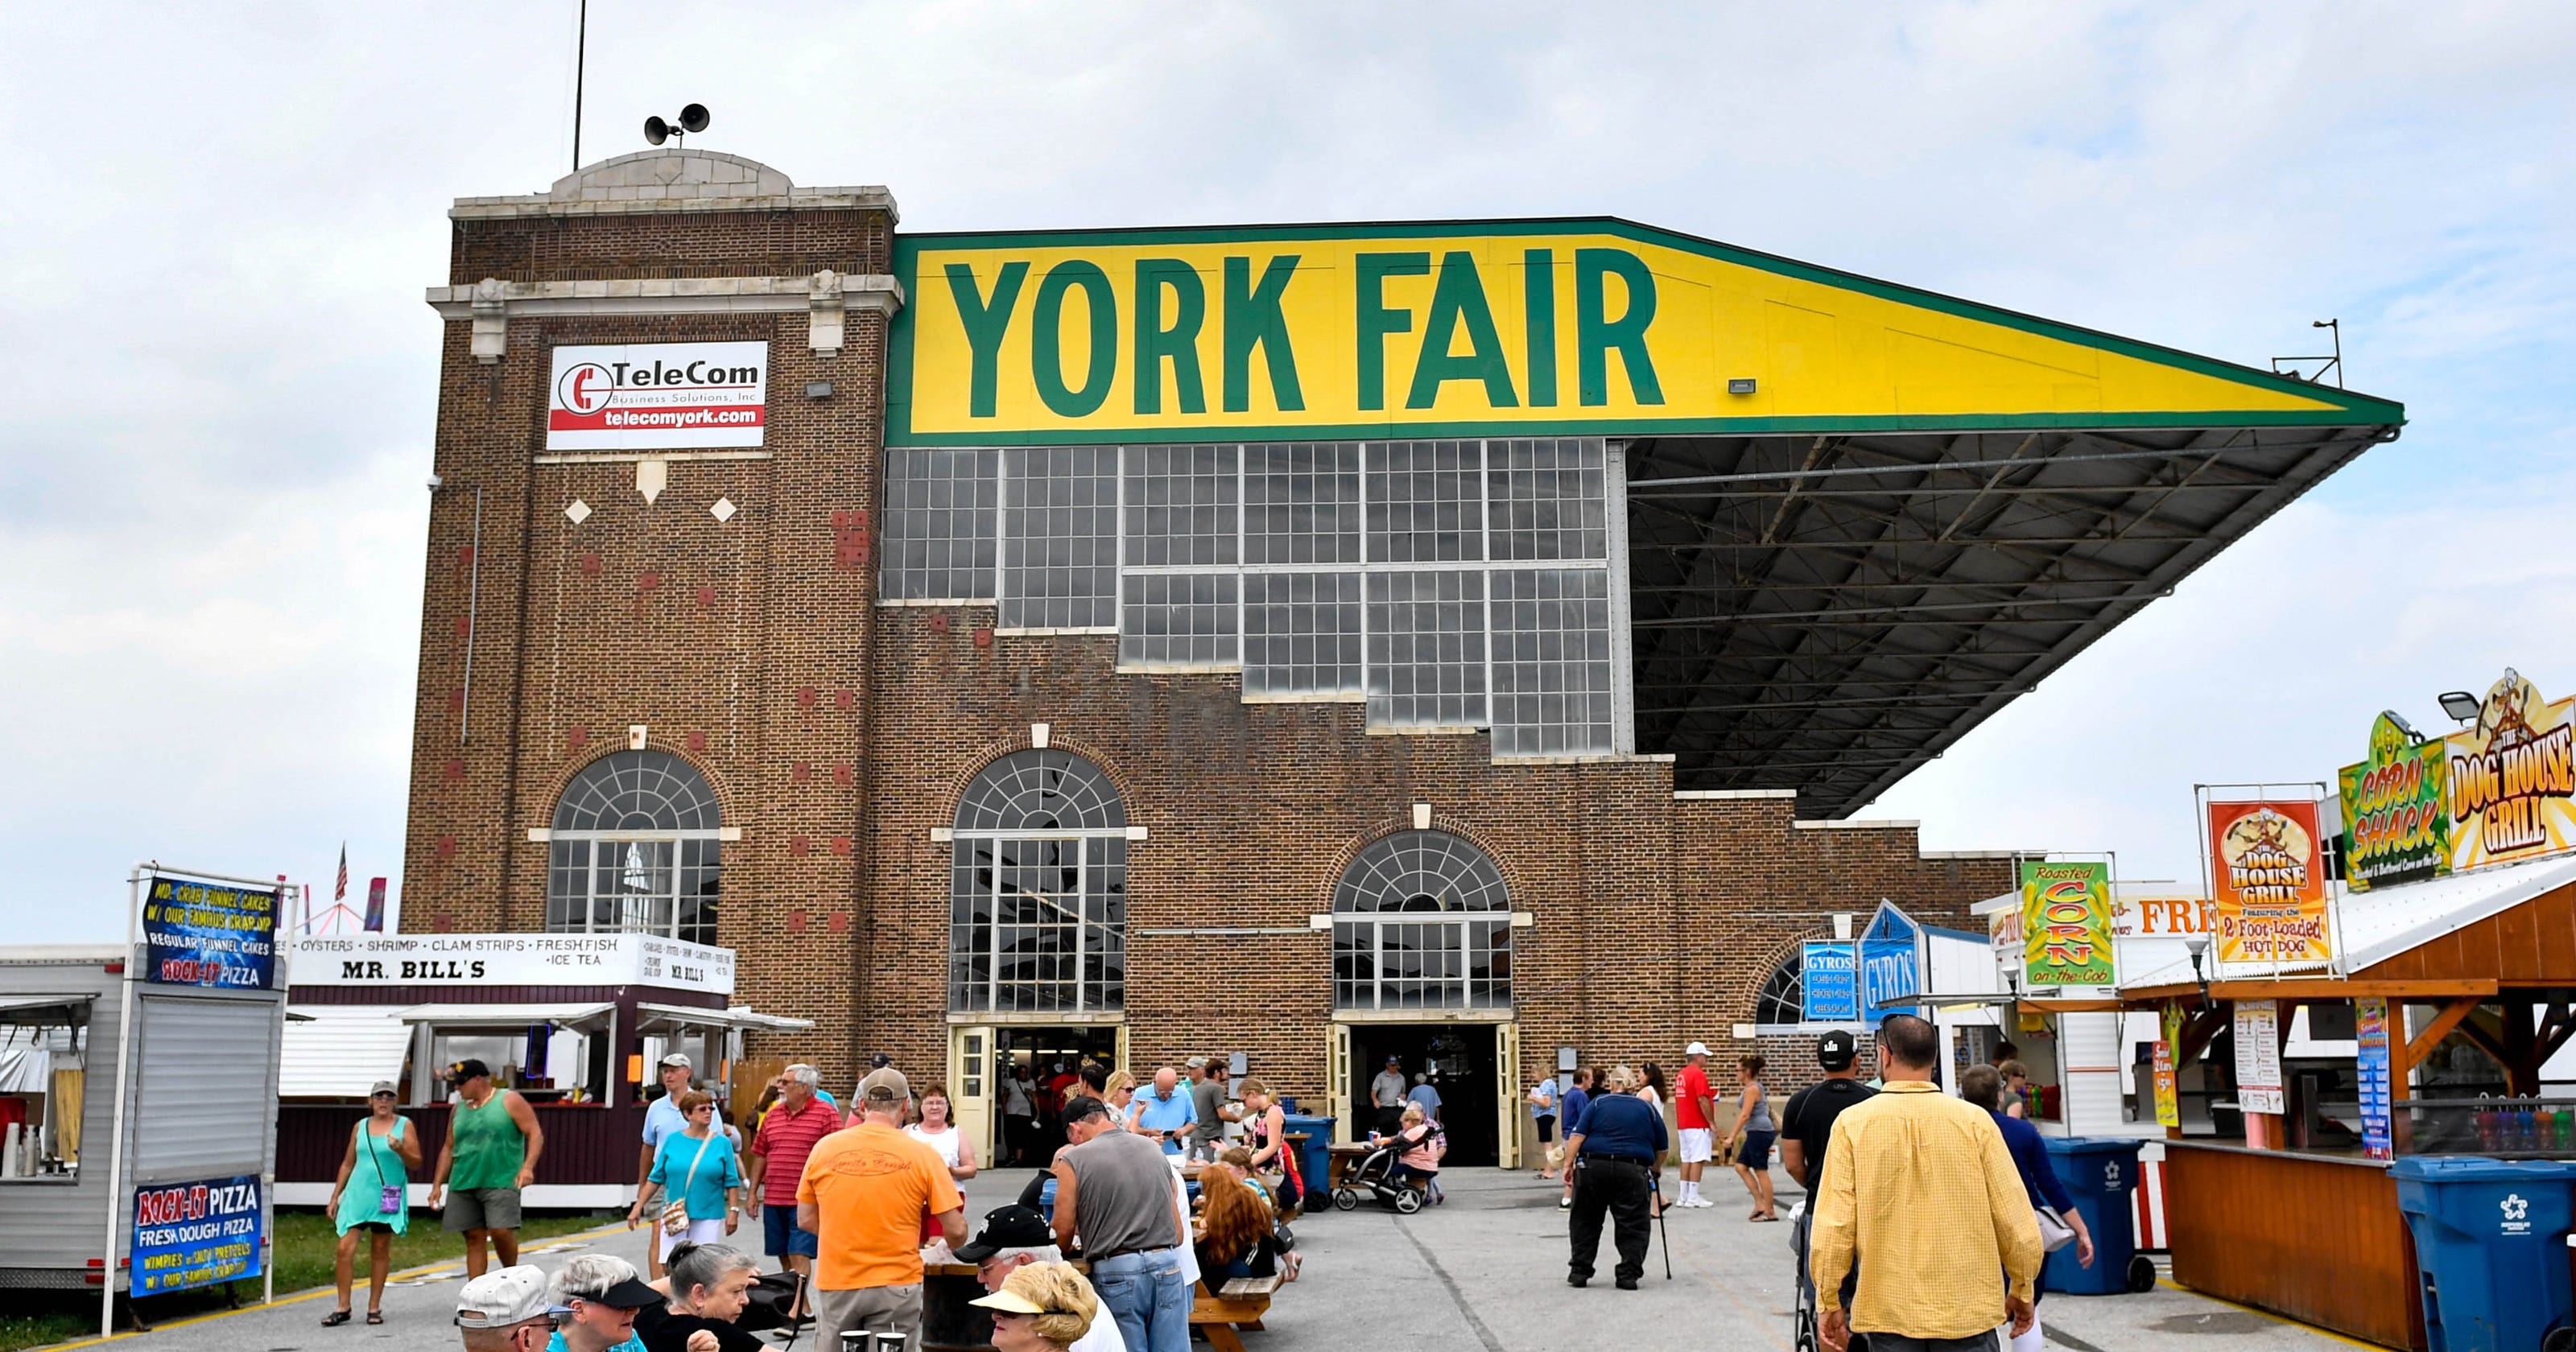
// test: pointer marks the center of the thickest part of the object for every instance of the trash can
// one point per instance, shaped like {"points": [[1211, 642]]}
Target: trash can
{"points": [[2489, 1248], [1315, 1160], [2099, 1173]]}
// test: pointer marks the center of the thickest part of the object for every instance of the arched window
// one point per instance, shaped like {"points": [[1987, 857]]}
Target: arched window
{"points": [[1037, 889], [1783, 998], [635, 850], [1421, 920]]}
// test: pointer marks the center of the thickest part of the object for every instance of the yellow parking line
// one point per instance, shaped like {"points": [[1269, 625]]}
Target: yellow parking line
{"points": [[320, 1291], [2170, 1284]]}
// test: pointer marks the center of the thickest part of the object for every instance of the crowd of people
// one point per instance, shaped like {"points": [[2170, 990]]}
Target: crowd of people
{"points": [[1927, 1215], [851, 1205]]}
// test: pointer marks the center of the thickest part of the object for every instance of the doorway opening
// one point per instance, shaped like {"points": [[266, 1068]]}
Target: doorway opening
{"points": [[1046, 1056], [1459, 1058]]}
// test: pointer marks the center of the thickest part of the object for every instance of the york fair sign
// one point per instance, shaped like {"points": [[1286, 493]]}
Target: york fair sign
{"points": [[658, 396]]}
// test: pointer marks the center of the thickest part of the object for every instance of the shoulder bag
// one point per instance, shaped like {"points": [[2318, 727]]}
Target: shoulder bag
{"points": [[675, 1213]]}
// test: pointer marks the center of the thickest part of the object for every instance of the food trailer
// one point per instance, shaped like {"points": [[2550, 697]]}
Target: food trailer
{"points": [[136, 1143], [573, 1022]]}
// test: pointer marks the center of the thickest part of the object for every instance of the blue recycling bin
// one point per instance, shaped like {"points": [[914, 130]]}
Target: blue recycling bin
{"points": [[2490, 1248], [1315, 1161], [2099, 1173]]}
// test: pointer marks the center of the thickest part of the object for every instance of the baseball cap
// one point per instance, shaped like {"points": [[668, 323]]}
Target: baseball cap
{"points": [[885, 1084], [1696, 1049], [471, 1068], [1009, 1227], [680, 1059], [1835, 1050], [880, 1061], [604, 1279], [498, 1299], [1082, 1106], [383, 1087], [1395, 1060], [1197, 1063]]}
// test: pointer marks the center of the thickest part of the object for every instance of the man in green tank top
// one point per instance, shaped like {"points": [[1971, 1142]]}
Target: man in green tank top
{"points": [[493, 1142]]}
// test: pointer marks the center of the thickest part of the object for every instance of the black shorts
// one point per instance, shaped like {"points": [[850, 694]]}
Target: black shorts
{"points": [[1546, 1128]]}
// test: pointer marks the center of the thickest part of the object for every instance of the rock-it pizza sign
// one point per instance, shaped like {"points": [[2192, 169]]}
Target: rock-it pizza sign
{"points": [[2268, 882]]}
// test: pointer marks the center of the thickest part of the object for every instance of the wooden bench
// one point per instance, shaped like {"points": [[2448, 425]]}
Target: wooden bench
{"points": [[1231, 1310]]}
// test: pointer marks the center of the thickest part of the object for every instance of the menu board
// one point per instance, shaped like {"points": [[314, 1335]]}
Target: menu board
{"points": [[2258, 1057], [2370, 1025], [206, 934]]}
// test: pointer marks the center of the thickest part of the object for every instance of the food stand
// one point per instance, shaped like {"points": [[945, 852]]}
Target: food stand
{"points": [[136, 1154], [573, 1022], [2437, 981]]}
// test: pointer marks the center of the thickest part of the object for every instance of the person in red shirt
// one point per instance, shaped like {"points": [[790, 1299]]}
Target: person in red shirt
{"points": [[1695, 1112], [776, 1160]]}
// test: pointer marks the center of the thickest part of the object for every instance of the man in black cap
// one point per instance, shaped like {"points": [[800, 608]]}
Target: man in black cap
{"points": [[1014, 1237], [1807, 1125]]}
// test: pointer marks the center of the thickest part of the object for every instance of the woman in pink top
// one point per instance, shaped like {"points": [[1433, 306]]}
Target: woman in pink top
{"points": [[1423, 1145]]}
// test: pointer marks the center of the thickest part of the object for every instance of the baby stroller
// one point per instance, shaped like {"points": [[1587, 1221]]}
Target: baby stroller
{"points": [[1376, 1175]]}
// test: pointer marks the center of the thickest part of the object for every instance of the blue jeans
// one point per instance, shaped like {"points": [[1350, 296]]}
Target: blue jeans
{"points": [[1148, 1297]]}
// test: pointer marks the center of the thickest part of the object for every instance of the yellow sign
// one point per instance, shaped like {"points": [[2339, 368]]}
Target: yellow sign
{"points": [[1496, 328], [2511, 777]]}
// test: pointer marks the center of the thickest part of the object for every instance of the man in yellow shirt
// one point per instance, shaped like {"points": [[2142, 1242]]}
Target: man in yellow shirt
{"points": [[865, 1192], [1920, 1186]]}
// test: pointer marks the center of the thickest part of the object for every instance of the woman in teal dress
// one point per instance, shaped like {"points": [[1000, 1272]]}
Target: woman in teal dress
{"points": [[371, 1197]]}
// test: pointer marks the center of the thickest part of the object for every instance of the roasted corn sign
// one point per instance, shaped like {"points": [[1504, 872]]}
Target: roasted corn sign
{"points": [[2268, 881], [2065, 923], [1491, 329]]}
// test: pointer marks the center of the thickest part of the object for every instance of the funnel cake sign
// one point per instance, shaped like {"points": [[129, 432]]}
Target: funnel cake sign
{"points": [[2269, 882]]}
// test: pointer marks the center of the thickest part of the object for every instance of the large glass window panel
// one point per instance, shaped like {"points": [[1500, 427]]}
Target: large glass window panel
{"points": [[1426, 649], [1301, 634], [636, 850], [1178, 620], [1547, 499], [1552, 661], [1038, 888], [1181, 505], [1060, 524], [938, 525], [1425, 501], [1421, 920], [1301, 503]]}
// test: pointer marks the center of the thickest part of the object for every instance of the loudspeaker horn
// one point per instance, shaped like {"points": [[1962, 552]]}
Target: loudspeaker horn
{"points": [[693, 118], [656, 130]]}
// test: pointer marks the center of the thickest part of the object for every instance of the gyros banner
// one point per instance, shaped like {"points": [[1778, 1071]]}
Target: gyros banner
{"points": [[2268, 880], [658, 396]]}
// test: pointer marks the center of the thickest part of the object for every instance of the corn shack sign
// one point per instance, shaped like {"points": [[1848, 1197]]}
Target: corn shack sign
{"points": [[1494, 328]]}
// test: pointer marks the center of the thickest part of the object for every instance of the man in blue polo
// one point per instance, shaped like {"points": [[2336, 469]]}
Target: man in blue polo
{"points": [[1165, 1113], [1610, 1159]]}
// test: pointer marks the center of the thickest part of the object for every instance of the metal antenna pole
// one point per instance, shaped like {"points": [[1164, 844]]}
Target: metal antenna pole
{"points": [[580, 55]]}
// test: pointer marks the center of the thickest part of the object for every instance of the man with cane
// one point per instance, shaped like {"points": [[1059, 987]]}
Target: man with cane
{"points": [[1610, 1166]]}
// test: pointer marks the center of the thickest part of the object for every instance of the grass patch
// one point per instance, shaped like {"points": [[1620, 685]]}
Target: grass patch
{"points": [[304, 1250]]}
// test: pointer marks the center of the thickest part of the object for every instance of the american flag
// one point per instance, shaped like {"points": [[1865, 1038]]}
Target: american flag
{"points": [[340, 893]]}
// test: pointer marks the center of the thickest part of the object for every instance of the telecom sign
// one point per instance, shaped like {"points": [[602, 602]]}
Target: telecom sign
{"points": [[1829, 981], [657, 396], [1891, 965]]}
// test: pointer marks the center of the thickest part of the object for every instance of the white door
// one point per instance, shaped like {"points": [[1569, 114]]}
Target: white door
{"points": [[1510, 1109], [970, 1073], [1337, 1080]]}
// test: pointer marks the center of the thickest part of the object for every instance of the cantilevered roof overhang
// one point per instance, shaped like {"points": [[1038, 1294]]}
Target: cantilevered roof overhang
{"points": [[1827, 612]]}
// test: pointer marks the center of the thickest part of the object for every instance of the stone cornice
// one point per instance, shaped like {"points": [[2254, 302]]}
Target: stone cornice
{"points": [[825, 297]]}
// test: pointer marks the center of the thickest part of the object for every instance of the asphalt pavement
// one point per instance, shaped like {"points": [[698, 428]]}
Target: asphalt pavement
{"points": [[1485, 1270]]}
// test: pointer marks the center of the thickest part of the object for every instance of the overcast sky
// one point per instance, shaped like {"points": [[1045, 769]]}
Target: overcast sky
{"points": [[221, 374]]}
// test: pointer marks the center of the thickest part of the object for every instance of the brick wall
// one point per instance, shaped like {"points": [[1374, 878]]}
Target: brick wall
{"points": [[839, 734]]}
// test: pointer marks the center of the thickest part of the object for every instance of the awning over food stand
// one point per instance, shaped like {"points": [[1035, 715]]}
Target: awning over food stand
{"points": [[28, 1011], [653, 1018], [340, 1051], [506, 1016]]}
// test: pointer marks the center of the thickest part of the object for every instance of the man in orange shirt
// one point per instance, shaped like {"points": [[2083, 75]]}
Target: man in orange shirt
{"points": [[864, 1193]]}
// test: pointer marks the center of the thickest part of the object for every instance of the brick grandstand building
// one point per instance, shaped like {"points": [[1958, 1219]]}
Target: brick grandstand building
{"points": [[1022, 645]]}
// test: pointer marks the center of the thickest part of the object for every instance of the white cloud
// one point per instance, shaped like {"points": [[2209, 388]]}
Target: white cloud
{"points": [[222, 378]]}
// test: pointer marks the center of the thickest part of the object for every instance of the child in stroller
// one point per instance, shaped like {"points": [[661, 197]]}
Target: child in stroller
{"points": [[1402, 1170]]}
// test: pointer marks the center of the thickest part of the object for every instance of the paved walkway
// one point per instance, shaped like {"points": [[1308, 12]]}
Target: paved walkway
{"points": [[1485, 1271]]}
